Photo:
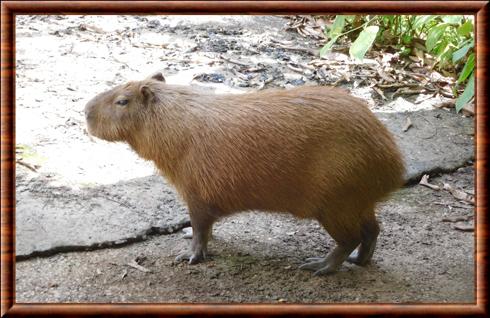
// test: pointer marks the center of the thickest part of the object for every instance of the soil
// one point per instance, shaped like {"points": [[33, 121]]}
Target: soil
{"points": [[420, 257], [425, 251]]}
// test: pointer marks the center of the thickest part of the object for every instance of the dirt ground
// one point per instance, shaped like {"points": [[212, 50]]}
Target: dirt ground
{"points": [[255, 257], [425, 251]]}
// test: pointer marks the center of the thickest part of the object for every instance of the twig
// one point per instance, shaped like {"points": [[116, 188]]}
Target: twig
{"points": [[444, 93], [405, 91], [302, 49], [397, 85], [137, 266], [235, 62], [456, 219], [118, 202], [298, 70], [25, 164]]}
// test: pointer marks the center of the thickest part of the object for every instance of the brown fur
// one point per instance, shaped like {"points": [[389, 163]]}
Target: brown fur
{"points": [[315, 152]]}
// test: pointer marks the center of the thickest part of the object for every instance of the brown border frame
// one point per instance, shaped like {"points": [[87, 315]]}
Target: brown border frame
{"points": [[10, 8]]}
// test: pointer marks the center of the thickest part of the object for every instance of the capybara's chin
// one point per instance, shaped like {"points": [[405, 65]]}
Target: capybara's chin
{"points": [[314, 152]]}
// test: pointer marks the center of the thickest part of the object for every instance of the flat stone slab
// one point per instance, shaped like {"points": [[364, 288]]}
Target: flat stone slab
{"points": [[438, 141], [58, 219]]}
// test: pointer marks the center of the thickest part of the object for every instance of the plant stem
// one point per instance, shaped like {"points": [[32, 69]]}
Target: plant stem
{"points": [[361, 26]]}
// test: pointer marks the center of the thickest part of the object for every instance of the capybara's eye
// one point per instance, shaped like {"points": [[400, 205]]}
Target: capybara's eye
{"points": [[122, 102]]}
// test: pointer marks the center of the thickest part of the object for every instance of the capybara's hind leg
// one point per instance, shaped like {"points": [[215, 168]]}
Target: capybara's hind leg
{"points": [[347, 235], [369, 235], [202, 224]]}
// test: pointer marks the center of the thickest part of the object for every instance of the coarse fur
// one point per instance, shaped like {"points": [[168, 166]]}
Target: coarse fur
{"points": [[315, 152]]}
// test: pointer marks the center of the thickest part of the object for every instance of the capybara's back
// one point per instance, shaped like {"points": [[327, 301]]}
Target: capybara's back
{"points": [[315, 152]]}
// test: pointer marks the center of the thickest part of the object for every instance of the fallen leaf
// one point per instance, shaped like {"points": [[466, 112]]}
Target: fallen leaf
{"points": [[380, 92], [463, 227], [455, 219], [446, 104], [385, 76], [425, 182], [408, 124], [460, 195], [469, 109]]}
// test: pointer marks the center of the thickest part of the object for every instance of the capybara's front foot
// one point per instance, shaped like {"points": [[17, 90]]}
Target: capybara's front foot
{"points": [[192, 257]]}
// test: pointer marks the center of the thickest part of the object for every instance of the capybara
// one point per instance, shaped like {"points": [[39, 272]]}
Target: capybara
{"points": [[315, 152]]}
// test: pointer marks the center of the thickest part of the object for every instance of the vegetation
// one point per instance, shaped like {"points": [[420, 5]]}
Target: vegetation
{"points": [[449, 40]]}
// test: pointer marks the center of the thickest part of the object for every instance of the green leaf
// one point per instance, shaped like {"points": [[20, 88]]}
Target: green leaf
{"points": [[337, 26], [443, 51], [459, 54], [388, 19], [466, 28], [349, 18], [406, 39], [363, 42], [423, 19], [405, 51], [327, 47], [453, 19], [434, 35], [467, 69], [468, 93]]}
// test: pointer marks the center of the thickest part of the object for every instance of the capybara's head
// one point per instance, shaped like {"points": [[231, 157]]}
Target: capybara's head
{"points": [[117, 113]]}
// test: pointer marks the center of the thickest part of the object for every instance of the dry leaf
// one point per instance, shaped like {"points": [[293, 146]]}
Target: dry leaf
{"points": [[408, 124], [469, 109], [455, 219], [463, 227], [385, 76], [446, 104], [460, 195], [380, 92], [425, 182]]}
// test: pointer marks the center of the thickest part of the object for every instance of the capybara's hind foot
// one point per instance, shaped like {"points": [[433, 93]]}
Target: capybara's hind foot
{"points": [[356, 258], [359, 258], [364, 253], [329, 264], [193, 258], [320, 265]]}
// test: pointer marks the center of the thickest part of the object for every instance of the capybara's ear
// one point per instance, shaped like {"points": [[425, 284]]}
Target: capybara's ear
{"points": [[158, 76], [146, 93]]}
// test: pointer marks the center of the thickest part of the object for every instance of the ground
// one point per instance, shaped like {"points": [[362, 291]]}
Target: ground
{"points": [[95, 223]]}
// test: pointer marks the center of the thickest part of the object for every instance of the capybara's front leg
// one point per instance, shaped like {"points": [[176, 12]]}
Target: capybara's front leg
{"points": [[202, 224]]}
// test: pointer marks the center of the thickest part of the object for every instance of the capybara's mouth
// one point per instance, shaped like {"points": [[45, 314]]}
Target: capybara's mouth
{"points": [[91, 129]]}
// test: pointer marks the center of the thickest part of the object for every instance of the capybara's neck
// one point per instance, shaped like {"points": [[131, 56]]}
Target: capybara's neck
{"points": [[167, 127]]}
